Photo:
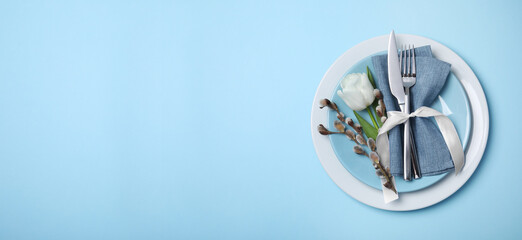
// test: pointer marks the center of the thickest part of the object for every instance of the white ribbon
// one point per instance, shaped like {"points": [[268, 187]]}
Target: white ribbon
{"points": [[445, 125]]}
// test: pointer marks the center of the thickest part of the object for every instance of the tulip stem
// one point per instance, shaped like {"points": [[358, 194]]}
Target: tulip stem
{"points": [[372, 117]]}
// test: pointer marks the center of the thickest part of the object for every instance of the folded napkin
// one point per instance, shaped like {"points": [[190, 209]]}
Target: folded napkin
{"points": [[433, 154]]}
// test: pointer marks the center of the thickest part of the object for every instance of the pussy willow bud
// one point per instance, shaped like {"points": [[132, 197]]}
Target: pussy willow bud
{"points": [[349, 121], [322, 130], [350, 134], [371, 144], [377, 93], [324, 102], [327, 103], [374, 157], [359, 150], [378, 110], [381, 103], [360, 139], [339, 126]]}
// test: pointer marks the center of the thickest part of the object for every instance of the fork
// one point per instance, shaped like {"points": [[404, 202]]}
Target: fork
{"points": [[409, 79]]}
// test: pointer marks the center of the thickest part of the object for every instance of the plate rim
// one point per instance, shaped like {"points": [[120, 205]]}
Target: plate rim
{"points": [[424, 197]]}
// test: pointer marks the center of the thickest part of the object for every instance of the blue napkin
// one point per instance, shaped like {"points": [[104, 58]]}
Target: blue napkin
{"points": [[433, 154]]}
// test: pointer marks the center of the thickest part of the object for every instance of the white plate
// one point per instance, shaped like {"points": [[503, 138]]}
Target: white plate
{"points": [[411, 200]]}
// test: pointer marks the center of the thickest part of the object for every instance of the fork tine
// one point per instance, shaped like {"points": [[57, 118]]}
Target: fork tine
{"points": [[403, 67], [413, 62], [404, 61], [408, 60], [400, 61]]}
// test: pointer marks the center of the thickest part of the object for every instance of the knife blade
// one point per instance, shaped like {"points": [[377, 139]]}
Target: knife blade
{"points": [[394, 71]]}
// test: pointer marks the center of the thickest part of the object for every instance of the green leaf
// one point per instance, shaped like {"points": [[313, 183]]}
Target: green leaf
{"points": [[370, 76], [369, 109], [367, 127]]}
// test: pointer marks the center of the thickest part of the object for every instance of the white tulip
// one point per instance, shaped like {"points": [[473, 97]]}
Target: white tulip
{"points": [[356, 91]]}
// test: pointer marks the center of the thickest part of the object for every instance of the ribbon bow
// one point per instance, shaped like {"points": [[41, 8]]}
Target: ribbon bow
{"points": [[445, 125]]}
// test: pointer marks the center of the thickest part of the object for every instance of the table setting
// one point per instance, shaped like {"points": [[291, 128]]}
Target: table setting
{"points": [[400, 122], [260, 119]]}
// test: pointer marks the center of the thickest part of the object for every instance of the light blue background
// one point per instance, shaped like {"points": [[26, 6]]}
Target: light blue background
{"points": [[191, 120]]}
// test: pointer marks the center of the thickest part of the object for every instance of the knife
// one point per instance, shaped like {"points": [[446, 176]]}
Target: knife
{"points": [[397, 90]]}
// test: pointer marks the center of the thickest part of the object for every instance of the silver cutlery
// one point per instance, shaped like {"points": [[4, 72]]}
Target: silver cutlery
{"points": [[401, 76]]}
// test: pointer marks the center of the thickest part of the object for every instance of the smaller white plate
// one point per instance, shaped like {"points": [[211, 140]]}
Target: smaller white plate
{"points": [[424, 197]]}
